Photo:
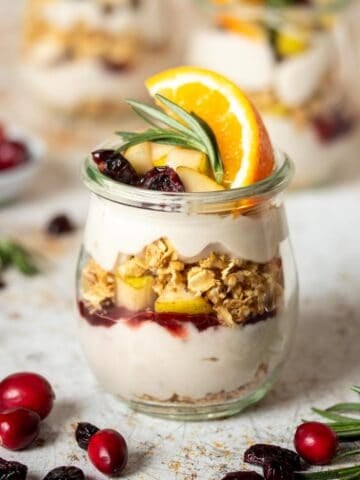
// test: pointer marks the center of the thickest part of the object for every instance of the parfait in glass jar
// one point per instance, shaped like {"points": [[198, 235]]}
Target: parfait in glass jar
{"points": [[187, 288], [294, 60], [85, 57]]}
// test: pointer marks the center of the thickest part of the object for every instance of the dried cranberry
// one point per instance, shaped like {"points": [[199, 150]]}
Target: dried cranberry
{"points": [[332, 125], [84, 431], [277, 469], [12, 470], [243, 475], [114, 165], [162, 179], [257, 455], [101, 155], [60, 225], [115, 67], [65, 473], [12, 154]]}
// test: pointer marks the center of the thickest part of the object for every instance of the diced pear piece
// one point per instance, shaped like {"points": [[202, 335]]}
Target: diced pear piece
{"points": [[194, 181], [135, 293], [188, 305], [184, 157], [291, 43], [159, 153], [140, 157]]}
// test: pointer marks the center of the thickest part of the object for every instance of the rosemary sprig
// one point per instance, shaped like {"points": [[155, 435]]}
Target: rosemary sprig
{"points": [[341, 473], [12, 254], [346, 428], [189, 131]]}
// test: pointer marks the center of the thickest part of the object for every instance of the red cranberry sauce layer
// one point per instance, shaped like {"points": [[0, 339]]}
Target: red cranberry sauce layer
{"points": [[175, 323]]}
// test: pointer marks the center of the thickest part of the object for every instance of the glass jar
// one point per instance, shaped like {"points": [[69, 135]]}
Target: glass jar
{"points": [[296, 63], [188, 302], [86, 57]]}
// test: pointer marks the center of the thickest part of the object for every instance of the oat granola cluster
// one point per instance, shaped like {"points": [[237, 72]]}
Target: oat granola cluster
{"points": [[236, 290], [80, 40], [97, 285]]}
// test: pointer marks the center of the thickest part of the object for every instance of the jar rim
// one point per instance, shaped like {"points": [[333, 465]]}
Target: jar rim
{"points": [[117, 192]]}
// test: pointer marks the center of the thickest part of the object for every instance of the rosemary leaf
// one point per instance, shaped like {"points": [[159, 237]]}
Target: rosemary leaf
{"points": [[148, 113], [348, 453], [189, 131], [202, 133], [345, 407], [336, 417], [328, 474], [13, 254]]}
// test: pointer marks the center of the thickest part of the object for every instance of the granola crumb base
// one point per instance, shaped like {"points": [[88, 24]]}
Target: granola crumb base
{"points": [[214, 398]]}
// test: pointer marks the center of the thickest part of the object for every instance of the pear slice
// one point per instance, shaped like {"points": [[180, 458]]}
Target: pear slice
{"points": [[159, 153], [192, 306], [184, 157], [140, 157], [194, 181], [135, 293]]}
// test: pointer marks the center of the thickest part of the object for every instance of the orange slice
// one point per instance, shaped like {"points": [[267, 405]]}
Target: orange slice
{"points": [[241, 27], [243, 141]]}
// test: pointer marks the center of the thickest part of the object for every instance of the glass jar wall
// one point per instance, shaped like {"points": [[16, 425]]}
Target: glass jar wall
{"points": [[294, 60], [188, 302]]}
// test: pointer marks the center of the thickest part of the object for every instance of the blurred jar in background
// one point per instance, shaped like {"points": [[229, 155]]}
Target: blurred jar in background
{"points": [[295, 61], [86, 56]]}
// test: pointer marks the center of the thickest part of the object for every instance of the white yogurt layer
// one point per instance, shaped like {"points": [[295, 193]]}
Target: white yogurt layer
{"points": [[251, 63], [149, 360], [315, 162], [113, 228], [71, 83]]}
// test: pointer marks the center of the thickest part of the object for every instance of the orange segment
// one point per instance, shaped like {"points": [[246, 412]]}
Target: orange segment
{"points": [[244, 144]]}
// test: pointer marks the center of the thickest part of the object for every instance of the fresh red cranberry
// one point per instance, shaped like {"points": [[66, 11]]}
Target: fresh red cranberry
{"points": [[108, 452], [114, 165], [260, 452], [84, 431], [12, 154], [243, 475], [19, 427], [316, 443], [60, 225], [65, 473], [162, 179], [28, 390], [12, 470]]}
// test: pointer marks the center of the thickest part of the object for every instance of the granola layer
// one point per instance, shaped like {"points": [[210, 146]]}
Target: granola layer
{"points": [[236, 290]]}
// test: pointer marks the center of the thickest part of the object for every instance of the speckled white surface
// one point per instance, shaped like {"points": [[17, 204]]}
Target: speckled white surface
{"points": [[38, 332]]}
